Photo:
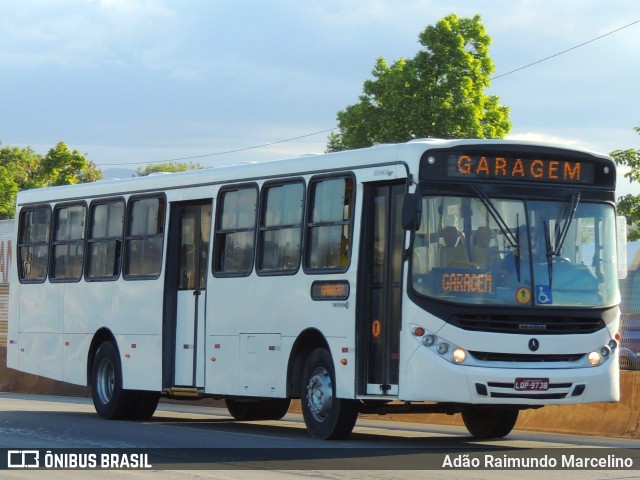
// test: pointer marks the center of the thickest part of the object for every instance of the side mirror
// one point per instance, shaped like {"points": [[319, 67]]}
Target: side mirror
{"points": [[411, 211]]}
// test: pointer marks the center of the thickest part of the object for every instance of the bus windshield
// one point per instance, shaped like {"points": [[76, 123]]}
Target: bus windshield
{"points": [[481, 250]]}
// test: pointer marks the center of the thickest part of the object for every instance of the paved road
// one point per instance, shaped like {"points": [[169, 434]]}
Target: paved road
{"points": [[272, 450]]}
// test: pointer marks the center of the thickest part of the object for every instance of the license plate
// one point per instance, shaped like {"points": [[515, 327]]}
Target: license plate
{"points": [[531, 384]]}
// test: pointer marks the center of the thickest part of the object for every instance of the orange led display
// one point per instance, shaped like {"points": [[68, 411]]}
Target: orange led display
{"points": [[467, 282], [328, 290], [514, 168]]}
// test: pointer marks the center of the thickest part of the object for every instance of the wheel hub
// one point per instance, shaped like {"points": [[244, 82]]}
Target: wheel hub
{"points": [[320, 394], [106, 380]]}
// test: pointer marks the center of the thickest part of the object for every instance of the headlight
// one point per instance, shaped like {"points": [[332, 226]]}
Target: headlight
{"points": [[446, 350], [428, 340], [595, 358], [459, 355]]}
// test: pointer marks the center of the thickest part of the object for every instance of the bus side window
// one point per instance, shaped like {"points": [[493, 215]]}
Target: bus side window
{"points": [[145, 231], [68, 243], [280, 228], [106, 228], [33, 244], [235, 231], [329, 223]]}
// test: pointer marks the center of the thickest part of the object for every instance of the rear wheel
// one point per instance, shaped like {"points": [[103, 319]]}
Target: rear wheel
{"points": [[144, 405], [326, 416], [258, 409], [485, 421], [110, 400]]}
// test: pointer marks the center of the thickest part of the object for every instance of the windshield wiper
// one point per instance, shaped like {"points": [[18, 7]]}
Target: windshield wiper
{"points": [[513, 239], [561, 233], [550, 253]]}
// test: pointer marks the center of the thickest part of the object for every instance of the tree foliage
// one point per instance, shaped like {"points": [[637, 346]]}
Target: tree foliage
{"points": [[61, 166], [23, 168], [437, 93], [629, 205], [167, 167]]}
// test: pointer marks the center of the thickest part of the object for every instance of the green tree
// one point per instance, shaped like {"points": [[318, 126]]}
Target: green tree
{"points": [[167, 167], [629, 205], [18, 171], [22, 168], [437, 93], [61, 166]]}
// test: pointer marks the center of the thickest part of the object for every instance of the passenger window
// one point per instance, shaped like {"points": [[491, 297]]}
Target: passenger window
{"points": [[281, 228], [68, 243], [330, 223], [104, 242], [33, 244], [235, 231], [145, 232]]}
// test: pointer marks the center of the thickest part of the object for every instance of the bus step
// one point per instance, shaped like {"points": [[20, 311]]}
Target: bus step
{"points": [[183, 392]]}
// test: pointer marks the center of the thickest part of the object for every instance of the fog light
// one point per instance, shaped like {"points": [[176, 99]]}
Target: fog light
{"points": [[595, 358], [428, 340], [442, 348], [459, 355]]}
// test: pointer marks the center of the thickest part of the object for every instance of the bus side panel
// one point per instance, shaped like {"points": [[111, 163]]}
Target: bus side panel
{"points": [[256, 351], [41, 354], [41, 308], [243, 328], [87, 306], [221, 370], [343, 352], [39, 341], [74, 357], [141, 360], [137, 307]]}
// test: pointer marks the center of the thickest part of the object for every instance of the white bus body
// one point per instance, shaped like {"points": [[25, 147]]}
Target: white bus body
{"points": [[263, 282]]}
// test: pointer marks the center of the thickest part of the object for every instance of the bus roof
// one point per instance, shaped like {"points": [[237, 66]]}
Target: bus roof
{"points": [[409, 152]]}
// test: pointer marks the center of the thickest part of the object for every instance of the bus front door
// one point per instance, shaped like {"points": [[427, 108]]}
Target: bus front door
{"points": [[190, 231], [381, 279]]}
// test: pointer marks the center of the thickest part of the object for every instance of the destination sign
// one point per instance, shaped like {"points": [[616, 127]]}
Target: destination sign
{"points": [[465, 282], [495, 167]]}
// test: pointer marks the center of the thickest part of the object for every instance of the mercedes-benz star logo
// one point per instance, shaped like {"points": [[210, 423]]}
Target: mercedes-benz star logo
{"points": [[534, 344]]}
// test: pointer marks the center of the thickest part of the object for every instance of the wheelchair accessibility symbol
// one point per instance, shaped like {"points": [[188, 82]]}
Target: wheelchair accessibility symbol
{"points": [[543, 295]]}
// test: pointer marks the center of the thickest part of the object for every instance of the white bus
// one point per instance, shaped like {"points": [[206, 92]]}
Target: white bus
{"points": [[471, 276]]}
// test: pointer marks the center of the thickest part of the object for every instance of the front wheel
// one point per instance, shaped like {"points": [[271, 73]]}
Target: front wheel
{"points": [[484, 421], [326, 416]]}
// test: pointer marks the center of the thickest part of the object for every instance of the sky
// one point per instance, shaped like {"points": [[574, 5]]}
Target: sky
{"points": [[133, 81]]}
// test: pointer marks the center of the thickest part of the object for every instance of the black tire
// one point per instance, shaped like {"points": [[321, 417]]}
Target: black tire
{"points": [[110, 400], [274, 408], [242, 410], [485, 421], [145, 404], [326, 416], [258, 409]]}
